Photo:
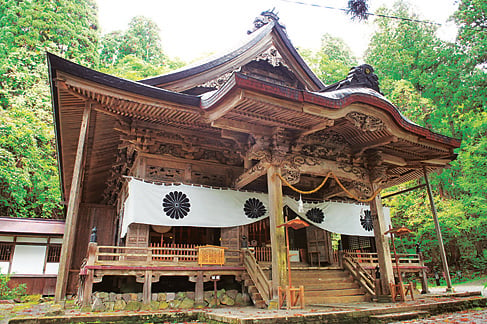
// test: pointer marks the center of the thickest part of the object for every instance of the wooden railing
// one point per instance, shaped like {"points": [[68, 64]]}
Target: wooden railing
{"points": [[174, 252], [411, 262], [362, 276], [263, 254], [257, 275], [147, 256]]}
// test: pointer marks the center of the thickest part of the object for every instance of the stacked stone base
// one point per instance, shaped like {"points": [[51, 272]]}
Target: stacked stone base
{"points": [[109, 302]]}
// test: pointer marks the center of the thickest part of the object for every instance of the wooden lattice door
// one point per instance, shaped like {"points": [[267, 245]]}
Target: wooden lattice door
{"points": [[319, 246]]}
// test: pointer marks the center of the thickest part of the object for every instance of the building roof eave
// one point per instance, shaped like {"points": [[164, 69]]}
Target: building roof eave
{"points": [[57, 63], [226, 63], [10, 225], [331, 100]]}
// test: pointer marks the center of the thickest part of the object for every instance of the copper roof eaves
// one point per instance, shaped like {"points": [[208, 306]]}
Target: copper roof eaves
{"points": [[284, 37], [57, 63], [190, 71], [333, 100], [342, 98]]}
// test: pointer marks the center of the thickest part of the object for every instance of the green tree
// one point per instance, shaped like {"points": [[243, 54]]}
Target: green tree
{"points": [[332, 61], [136, 53], [441, 86], [29, 184]]}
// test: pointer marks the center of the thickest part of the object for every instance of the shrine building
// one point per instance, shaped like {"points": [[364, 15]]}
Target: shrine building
{"points": [[191, 176]]}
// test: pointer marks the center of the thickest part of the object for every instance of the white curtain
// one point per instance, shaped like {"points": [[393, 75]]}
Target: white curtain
{"points": [[337, 217], [185, 205]]}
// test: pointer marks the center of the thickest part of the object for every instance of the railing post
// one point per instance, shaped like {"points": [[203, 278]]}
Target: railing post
{"points": [[424, 278], [91, 258], [149, 254]]}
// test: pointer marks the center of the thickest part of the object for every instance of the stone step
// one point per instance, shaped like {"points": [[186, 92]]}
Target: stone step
{"points": [[317, 300], [320, 280], [334, 292], [328, 285], [319, 272], [394, 317], [260, 304], [256, 297], [318, 276]]}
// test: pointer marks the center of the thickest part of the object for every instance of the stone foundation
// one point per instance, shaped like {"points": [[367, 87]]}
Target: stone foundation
{"points": [[109, 302]]}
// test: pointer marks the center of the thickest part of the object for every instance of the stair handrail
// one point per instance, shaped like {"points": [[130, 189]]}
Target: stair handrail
{"points": [[363, 277], [257, 275]]}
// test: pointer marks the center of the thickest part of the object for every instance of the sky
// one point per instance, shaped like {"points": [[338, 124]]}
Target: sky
{"points": [[194, 29]]}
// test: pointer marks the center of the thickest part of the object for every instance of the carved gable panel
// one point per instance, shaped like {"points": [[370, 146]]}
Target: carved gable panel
{"points": [[164, 174], [325, 144], [271, 69]]}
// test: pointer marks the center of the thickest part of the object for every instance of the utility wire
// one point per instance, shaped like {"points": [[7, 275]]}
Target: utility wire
{"points": [[369, 13]]}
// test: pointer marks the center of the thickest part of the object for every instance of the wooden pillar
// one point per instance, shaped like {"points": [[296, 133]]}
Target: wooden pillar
{"points": [[147, 288], [438, 233], [382, 244], [73, 206], [423, 275], [199, 293], [278, 242]]}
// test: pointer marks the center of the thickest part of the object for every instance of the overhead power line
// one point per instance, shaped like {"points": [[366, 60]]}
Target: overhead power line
{"points": [[368, 13]]}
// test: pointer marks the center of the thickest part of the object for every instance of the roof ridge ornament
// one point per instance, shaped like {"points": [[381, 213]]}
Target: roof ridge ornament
{"points": [[360, 76], [264, 18], [272, 56]]}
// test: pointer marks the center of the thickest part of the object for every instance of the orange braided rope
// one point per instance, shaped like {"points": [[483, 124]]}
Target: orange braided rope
{"points": [[351, 195], [305, 192]]}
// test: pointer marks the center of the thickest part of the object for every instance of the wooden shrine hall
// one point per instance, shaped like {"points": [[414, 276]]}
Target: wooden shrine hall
{"points": [[192, 174]]}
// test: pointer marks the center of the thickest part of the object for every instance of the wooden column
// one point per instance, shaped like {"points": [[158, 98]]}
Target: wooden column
{"points": [[73, 206], [278, 242], [147, 288], [382, 243], [199, 291], [438, 233]]}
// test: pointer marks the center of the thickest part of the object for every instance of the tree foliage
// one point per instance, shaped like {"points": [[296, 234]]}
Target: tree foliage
{"points": [[332, 61], [441, 86], [29, 183], [29, 180], [136, 53]]}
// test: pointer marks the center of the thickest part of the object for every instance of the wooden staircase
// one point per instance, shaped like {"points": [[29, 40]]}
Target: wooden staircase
{"points": [[328, 285], [254, 294], [256, 281]]}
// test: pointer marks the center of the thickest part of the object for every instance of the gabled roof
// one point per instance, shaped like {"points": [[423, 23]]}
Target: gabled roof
{"points": [[271, 34], [245, 103]]}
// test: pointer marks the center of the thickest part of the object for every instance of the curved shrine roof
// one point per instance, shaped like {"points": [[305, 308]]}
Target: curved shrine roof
{"points": [[247, 100], [272, 33]]}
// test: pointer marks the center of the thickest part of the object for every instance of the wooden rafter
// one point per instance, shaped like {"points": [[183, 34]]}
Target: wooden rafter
{"points": [[242, 127], [362, 147], [251, 174]]}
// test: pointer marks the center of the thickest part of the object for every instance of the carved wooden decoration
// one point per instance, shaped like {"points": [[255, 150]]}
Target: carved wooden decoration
{"points": [[365, 122], [272, 56], [325, 145], [218, 82]]}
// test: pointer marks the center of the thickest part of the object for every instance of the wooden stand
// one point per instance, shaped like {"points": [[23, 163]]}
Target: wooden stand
{"points": [[401, 290], [293, 296]]}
